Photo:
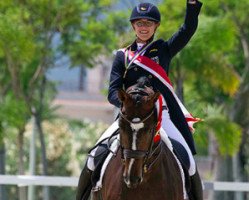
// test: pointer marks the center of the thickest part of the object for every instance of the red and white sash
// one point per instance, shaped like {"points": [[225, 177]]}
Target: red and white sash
{"points": [[157, 70]]}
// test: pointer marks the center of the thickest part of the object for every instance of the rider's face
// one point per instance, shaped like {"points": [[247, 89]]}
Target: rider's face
{"points": [[144, 28]]}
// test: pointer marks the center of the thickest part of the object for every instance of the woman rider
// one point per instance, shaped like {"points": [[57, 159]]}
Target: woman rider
{"points": [[127, 69]]}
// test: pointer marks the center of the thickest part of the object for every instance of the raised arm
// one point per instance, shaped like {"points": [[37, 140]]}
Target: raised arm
{"points": [[187, 30]]}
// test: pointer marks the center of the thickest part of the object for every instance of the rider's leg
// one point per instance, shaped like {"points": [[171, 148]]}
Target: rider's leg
{"points": [[106, 134], [85, 182], [173, 132]]}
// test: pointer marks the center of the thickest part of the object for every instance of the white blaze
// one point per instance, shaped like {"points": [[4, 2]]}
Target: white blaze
{"points": [[135, 127], [129, 170]]}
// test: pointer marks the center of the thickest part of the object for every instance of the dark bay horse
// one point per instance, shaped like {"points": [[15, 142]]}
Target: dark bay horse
{"points": [[142, 169]]}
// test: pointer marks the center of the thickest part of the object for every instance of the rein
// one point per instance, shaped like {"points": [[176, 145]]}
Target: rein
{"points": [[136, 154]]}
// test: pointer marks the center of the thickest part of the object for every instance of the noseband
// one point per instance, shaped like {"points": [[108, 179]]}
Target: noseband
{"points": [[128, 153], [136, 122]]}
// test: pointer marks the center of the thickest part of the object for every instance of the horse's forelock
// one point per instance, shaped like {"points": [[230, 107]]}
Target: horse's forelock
{"points": [[137, 98], [143, 82]]}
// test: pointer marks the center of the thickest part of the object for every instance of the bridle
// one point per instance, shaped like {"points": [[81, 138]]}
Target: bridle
{"points": [[129, 153], [136, 122], [138, 154]]}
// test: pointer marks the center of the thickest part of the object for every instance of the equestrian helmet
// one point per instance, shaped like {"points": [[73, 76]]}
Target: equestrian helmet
{"points": [[145, 11]]}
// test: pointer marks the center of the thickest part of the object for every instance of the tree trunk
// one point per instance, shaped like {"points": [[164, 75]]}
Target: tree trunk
{"points": [[221, 168], [2, 164], [3, 194], [32, 159], [22, 189], [237, 174], [38, 123], [240, 115], [223, 173], [179, 80], [213, 153], [44, 156], [82, 81], [2, 171]]}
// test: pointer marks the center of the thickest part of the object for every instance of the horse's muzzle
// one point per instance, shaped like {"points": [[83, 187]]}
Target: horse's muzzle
{"points": [[133, 181]]}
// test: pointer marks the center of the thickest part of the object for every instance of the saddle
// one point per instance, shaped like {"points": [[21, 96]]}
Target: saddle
{"points": [[103, 151]]}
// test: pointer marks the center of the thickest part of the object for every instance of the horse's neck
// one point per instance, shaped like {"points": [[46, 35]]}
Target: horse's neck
{"points": [[162, 157]]}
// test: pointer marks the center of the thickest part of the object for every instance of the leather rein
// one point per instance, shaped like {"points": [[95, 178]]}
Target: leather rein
{"points": [[138, 154]]}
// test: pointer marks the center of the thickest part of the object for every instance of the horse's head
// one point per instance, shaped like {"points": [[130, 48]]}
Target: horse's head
{"points": [[137, 122]]}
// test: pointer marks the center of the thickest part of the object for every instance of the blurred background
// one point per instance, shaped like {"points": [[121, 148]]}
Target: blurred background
{"points": [[55, 61]]}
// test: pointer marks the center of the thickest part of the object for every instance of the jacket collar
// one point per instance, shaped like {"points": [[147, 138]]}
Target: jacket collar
{"points": [[133, 46]]}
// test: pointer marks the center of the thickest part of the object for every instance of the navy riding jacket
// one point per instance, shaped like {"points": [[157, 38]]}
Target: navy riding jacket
{"points": [[161, 52]]}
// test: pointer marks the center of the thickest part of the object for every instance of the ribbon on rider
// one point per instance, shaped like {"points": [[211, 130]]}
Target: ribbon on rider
{"points": [[159, 106], [130, 59], [157, 70]]}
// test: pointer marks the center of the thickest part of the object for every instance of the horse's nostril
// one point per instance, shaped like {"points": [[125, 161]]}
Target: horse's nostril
{"points": [[126, 179], [136, 179], [140, 180]]}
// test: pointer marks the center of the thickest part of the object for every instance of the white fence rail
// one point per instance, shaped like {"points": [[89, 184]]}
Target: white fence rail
{"points": [[73, 182], [39, 180]]}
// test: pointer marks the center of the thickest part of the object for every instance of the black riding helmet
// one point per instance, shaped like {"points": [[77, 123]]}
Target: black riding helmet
{"points": [[145, 11]]}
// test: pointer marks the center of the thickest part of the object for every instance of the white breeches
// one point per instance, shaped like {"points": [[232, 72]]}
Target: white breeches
{"points": [[175, 134], [169, 130], [106, 134]]}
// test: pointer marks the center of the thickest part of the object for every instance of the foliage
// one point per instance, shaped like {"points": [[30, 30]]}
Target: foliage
{"points": [[14, 112], [65, 141], [97, 32], [15, 36], [34, 34], [210, 78], [227, 133], [212, 61], [67, 145]]}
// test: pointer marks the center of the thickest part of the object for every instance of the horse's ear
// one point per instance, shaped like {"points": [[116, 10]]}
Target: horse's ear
{"points": [[122, 95]]}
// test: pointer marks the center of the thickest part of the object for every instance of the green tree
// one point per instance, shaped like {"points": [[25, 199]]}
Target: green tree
{"points": [[238, 14], [14, 38], [28, 30], [208, 70]]}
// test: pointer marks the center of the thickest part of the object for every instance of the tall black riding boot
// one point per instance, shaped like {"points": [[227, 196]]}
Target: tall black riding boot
{"points": [[196, 190], [84, 184]]}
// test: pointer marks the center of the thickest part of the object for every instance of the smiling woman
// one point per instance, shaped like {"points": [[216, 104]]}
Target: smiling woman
{"points": [[145, 19], [151, 59], [144, 29]]}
